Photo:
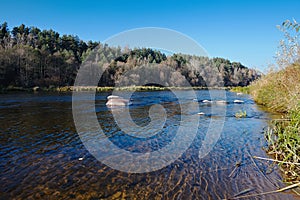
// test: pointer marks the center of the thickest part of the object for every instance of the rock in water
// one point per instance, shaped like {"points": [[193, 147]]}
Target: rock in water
{"points": [[238, 101], [114, 100], [113, 97]]}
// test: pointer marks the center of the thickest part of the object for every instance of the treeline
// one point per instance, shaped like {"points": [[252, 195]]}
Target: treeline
{"points": [[32, 57], [198, 71]]}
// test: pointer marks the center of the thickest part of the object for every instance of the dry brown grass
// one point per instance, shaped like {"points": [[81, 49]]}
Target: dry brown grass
{"points": [[279, 91]]}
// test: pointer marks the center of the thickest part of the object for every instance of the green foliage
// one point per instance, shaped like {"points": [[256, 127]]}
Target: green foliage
{"points": [[284, 143], [241, 114], [152, 56], [33, 57]]}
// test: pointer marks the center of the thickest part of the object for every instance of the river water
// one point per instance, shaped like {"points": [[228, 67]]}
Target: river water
{"points": [[43, 157]]}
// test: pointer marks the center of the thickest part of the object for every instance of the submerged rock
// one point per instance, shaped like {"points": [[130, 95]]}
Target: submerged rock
{"points": [[206, 101], [221, 102], [238, 101], [114, 100], [113, 97]]}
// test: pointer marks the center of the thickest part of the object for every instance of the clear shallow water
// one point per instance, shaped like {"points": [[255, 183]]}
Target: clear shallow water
{"points": [[40, 151]]}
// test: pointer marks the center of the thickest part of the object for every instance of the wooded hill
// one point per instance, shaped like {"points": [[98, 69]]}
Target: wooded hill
{"points": [[32, 57]]}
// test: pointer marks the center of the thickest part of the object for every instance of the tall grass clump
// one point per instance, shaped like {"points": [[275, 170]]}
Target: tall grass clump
{"points": [[284, 144], [278, 90]]}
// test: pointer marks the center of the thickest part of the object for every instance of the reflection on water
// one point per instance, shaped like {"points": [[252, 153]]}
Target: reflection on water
{"points": [[42, 157]]}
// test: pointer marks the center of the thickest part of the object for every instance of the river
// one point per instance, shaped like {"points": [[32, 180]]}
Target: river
{"points": [[43, 157]]}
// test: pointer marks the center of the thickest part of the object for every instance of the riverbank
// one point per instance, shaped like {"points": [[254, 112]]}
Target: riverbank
{"points": [[102, 89], [280, 92]]}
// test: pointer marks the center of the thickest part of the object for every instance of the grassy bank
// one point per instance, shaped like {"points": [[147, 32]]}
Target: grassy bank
{"points": [[102, 89], [280, 91], [245, 90]]}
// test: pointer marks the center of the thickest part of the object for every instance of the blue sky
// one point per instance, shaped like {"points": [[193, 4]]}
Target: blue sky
{"points": [[243, 31]]}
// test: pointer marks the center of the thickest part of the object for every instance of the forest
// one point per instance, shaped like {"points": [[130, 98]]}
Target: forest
{"points": [[32, 57]]}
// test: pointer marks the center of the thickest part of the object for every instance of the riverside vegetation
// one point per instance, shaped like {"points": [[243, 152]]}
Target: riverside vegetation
{"points": [[279, 90]]}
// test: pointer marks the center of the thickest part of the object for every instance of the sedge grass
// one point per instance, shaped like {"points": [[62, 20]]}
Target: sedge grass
{"points": [[241, 114]]}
